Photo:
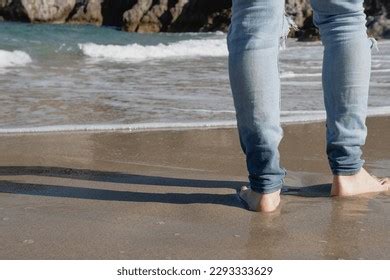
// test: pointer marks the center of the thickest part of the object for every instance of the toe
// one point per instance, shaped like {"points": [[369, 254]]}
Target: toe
{"points": [[385, 181]]}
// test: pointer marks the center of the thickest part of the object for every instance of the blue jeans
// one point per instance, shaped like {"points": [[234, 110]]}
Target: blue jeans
{"points": [[254, 37]]}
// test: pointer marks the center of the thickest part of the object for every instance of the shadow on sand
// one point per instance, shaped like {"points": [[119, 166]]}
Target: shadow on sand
{"points": [[8, 186]]}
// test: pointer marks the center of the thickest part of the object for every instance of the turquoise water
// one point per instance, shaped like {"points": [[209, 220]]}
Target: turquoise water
{"points": [[76, 77]]}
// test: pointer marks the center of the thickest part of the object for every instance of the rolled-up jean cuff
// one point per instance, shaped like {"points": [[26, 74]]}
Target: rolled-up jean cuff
{"points": [[346, 173], [267, 189]]}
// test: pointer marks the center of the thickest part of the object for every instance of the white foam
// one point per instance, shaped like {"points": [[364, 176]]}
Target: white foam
{"points": [[380, 71], [286, 117], [118, 127], [208, 111], [291, 74], [136, 52], [13, 58]]}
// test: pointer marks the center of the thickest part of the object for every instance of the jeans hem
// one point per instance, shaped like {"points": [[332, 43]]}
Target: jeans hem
{"points": [[268, 190], [346, 173]]}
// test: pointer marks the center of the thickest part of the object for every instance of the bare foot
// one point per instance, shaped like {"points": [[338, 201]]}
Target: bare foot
{"points": [[359, 183], [260, 202]]}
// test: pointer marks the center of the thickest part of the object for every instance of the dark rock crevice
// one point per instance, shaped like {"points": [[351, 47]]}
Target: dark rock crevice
{"points": [[113, 10], [13, 10]]}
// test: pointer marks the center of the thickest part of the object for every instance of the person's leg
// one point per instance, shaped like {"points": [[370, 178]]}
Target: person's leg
{"points": [[345, 78], [253, 42]]}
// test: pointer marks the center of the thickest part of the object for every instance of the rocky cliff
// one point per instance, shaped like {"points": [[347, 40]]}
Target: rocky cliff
{"points": [[171, 15]]}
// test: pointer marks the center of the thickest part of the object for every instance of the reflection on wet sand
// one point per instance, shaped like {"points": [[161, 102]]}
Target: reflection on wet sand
{"points": [[358, 228], [331, 228]]}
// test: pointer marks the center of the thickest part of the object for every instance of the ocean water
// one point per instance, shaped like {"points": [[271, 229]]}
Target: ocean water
{"points": [[69, 77]]}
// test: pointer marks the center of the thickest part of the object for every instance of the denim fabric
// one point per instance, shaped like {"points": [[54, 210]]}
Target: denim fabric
{"points": [[254, 38]]}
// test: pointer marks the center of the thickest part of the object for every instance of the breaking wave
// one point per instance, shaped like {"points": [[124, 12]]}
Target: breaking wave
{"points": [[13, 58], [137, 52]]}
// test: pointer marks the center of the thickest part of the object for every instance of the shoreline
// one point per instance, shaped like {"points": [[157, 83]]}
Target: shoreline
{"points": [[145, 127]]}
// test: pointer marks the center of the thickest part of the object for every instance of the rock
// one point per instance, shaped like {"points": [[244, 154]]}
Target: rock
{"points": [[55, 11], [173, 15], [158, 18], [218, 21], [307, 32], [378, 19], [13, 10], [203, 15], [177, 9], [132, 17], [299, 10], [87, 11], [377, 11], [150, 22], [161, 15], [4, 4], [379, 26]]}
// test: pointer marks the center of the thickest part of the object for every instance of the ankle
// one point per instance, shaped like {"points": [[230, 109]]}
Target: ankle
{"points": [[342, 184], [269, 202]]}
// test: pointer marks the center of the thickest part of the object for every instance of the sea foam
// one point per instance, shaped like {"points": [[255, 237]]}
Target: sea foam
{"points": [[291, 74], [13, 58], [177, 50], [286, 118]]}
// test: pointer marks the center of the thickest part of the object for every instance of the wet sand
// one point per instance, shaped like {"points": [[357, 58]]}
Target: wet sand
{"points": [[171, 195]]}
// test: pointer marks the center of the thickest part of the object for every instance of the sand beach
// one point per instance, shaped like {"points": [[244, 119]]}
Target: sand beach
{"points": [[170, 194]]}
